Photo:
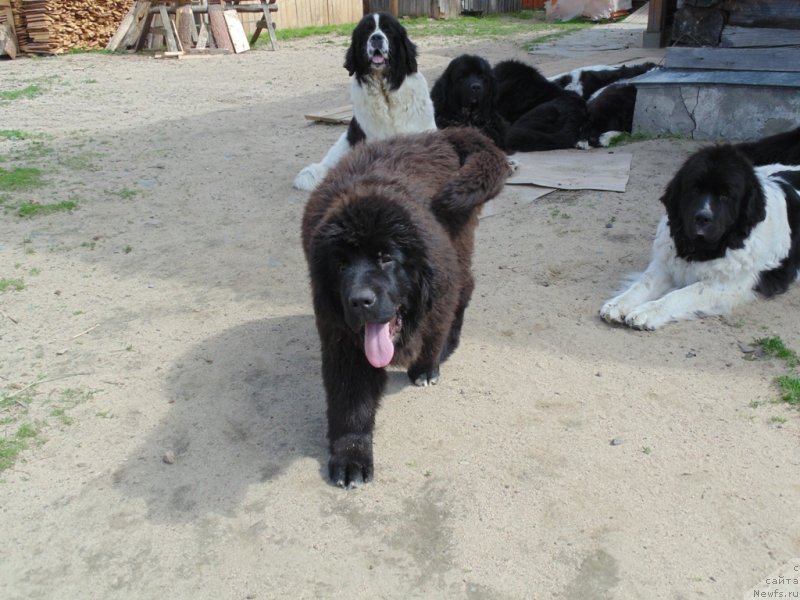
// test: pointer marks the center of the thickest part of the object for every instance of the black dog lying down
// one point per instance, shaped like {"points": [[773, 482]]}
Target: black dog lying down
{"points": [[521, 110], [388, 236]]}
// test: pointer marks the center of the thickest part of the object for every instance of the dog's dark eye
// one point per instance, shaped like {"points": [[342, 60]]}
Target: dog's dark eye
{"points": [[343, 264], [384, 258]]}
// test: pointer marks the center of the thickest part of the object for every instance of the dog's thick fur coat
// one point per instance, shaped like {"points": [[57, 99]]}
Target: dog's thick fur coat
{"points": [[388, 237]]}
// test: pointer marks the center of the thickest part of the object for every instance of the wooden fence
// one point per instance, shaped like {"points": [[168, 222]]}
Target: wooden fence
{"points": [[447, 8]]}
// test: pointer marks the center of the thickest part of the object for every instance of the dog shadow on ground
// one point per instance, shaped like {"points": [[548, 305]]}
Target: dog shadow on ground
{"points": [[244, 405]]}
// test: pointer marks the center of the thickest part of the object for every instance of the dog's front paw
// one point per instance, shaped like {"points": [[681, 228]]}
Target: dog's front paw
{"points": [[423, 376], [647, 317], [513, 164], [350, 464], [611, 312], [308, 179]]}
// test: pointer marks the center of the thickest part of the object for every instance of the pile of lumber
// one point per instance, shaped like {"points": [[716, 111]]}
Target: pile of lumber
{"points": [[56, 26]]}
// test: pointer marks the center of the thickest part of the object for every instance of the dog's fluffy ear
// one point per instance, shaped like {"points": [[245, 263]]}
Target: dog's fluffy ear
{"points": [[671, 199], [350, 59], [409, 52], [754, 209]]}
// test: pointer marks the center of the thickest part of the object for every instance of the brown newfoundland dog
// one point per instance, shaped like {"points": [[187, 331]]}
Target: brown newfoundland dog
{"points": [[388, 237]]}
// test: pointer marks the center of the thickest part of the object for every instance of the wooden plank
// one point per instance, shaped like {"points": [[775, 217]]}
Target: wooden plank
{"points": [[135, 30], [734, 59], [236, 31], [127, 22], [169, 34], [339, 115], [755, 37]]}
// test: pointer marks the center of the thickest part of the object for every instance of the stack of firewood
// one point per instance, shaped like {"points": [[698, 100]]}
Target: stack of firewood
{"points": [[55, 26]]}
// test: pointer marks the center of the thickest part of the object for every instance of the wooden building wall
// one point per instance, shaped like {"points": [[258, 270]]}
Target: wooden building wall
{"points": [[303, 13], [446, 8]]}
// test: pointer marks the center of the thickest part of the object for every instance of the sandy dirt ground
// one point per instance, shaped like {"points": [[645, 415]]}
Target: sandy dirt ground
{"points": [[169, 316]]}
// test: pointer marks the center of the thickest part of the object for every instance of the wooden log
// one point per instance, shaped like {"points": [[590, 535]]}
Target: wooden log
{"points": [[169, 33], [184, 24], [219, 28]]}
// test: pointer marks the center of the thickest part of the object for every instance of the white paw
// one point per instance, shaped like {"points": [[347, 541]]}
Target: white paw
{"points": [[513, 164], [648, 317], [608, 137], [309, 178], [616, 309], [583, 145], [611, 312]]}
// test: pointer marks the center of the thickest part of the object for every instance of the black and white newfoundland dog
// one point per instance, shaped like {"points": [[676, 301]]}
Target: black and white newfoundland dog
{"points": [[389, 95], [587, 81], [466, 96], [542, 114], [388, 237], [610, 99], [731, 233]]}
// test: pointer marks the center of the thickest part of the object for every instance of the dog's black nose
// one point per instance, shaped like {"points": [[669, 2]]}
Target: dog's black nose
{"points": [[363, 298], [703, 217], [476, 87], [376, 41]]}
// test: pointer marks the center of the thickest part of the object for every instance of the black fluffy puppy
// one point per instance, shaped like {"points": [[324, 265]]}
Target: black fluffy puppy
{"points": [[543, 115], [465, 96], [388, 237]]}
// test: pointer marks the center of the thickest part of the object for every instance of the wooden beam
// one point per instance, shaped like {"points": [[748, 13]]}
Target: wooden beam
{"points": [[735, 59]]}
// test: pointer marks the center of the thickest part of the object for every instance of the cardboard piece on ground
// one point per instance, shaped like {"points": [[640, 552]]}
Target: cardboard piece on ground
{"points": [[342, 114], [573, 169], [503, 204]]}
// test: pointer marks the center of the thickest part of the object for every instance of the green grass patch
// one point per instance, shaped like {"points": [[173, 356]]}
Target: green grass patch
{"points": [[30, 91], [790, 389], [774, 346], [789, 385], [20, 178], [35, 209], [15, 285], [12, 446], [13, 134], [126, 193], [487, 26]]}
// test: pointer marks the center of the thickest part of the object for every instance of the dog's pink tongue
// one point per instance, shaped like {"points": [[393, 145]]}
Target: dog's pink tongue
{"points": [[377, 59], [378, 344]]}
